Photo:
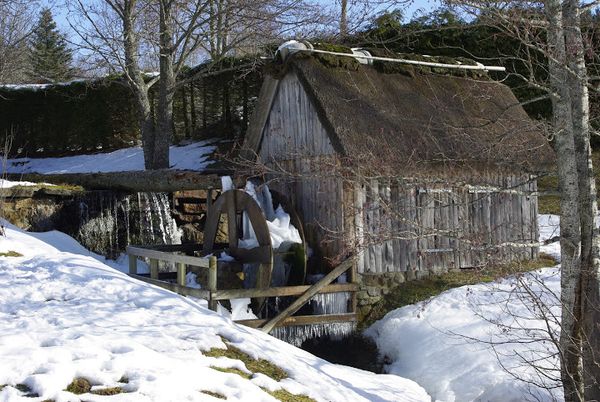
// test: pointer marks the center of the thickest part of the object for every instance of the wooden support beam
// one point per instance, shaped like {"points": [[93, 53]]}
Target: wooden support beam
{"points": [[168, 257], [303, 320], [228, 294], [181, 274], [153, 268], [173, 287], [172, 248], [161, 180], [306, 296], [212, 282], [132, 264]]}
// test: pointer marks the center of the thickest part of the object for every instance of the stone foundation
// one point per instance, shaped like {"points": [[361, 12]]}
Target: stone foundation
{"points": [[373, 287]]}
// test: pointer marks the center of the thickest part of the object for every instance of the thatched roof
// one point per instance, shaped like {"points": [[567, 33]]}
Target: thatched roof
{"points": [[413, 117]]}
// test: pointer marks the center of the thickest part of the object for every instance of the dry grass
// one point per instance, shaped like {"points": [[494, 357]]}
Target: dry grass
{"points": [[254, 365], [214, 394], [11, 253], [82, 386]]}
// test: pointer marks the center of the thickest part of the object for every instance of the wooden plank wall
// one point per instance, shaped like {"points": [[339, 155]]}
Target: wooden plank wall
{"points": [[435, 228], [295, 142], [397, 227]]}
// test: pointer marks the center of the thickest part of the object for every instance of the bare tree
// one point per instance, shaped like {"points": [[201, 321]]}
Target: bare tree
{"points": [[552, 29], [16, 23], [125, 37]]}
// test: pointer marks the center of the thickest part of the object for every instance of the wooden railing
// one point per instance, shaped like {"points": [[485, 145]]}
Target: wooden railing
{"points": [[181, 262], [213, 295]]}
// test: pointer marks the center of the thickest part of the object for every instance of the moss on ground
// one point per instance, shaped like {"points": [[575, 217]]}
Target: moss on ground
{"points": [[548, 184], [286, 396], [254, 365], [549, 203], [412, 292], [239, 372], [107, 391], [214, 394], [11, 253], [79, 386], [82, 386]]}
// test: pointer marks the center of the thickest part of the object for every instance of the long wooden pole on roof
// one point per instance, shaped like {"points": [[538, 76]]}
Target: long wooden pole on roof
{"points": [[479, 66]]}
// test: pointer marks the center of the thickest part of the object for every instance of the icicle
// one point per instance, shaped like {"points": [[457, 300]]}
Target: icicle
{"points": [[227, 183], [330, 303], [126, 205], [298, 334]]}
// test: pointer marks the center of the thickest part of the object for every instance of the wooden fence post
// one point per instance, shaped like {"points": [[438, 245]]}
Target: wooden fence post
{"points": [[181, 274], [153, 268], [132, 265], [353, 278], [212, 282]]}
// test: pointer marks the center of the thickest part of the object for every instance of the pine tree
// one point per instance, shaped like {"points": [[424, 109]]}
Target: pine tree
{"points": [[49, 55]]}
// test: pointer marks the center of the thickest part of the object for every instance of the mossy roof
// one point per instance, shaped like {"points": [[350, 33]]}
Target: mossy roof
{"points": [[399, 114]]}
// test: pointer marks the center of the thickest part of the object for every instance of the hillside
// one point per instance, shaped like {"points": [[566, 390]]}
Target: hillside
{"points": [[71, 322]]}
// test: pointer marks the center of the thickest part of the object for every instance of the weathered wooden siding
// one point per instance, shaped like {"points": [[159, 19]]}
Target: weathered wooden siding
{"points": [[435, 228], [295, 142], [293, 128], [397, 226]]}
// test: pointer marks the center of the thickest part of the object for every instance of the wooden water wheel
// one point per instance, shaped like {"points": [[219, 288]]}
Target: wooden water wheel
{"points": [[234, 203]]}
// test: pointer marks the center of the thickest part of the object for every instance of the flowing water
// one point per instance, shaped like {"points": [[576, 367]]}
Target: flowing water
{"points": [[109, 221]]}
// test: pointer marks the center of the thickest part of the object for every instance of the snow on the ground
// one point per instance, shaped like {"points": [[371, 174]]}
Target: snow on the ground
{"points": [[9, 184], [456, 344], [195, 156], [65, 314], [549, 230]]}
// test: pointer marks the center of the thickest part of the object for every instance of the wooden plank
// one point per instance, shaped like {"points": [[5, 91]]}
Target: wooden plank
{"points": [[132, 264], [174, 258], [228, 294], [153, 268], [303, 320], [359, 226], [212, 283], [160, 180], [172, 248], [259, 117], [181, 272], [230, 207], [306, 296], [173, 287]]}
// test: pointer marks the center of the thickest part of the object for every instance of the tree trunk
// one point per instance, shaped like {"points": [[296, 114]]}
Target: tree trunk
{"points": [[137, 84], [166, 88], [184, 107], [570, 235], [344, 19], [588, 209], [193, 107]]}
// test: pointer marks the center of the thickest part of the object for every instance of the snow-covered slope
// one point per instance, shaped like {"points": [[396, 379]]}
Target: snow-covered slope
{"points": [[189, 157], [64, 314], [471, 343]]}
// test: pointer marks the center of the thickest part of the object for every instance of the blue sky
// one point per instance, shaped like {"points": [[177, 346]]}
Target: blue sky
{"points": [[413, 7]]}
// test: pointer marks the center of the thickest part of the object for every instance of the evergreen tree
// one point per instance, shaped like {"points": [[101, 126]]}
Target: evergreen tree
{"points": [[49, 55]]}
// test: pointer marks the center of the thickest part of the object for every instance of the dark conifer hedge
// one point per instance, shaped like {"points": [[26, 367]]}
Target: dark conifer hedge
{"points": [[100, 115]]}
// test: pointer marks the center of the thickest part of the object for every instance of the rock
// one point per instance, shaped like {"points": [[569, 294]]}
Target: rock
{"points": [[373, 291], [191, 234]]}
